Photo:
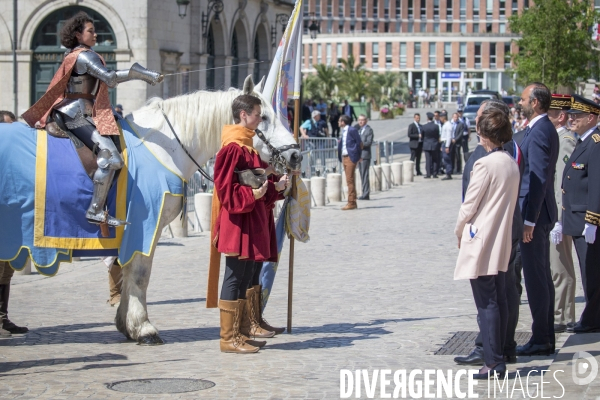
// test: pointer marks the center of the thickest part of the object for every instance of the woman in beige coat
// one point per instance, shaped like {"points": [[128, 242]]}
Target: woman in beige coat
{"points": [[484, 234]]}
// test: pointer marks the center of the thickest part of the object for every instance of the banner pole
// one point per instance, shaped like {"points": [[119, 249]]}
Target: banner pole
{"points": [[293, 194]]}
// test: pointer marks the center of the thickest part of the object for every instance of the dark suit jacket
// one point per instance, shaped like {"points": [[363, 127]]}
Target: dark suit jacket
{"points": [[367, 140], [581, 186], [479, 152], [536, 197], [458, 132], [352, 113], [413, 135], [431, 136], [353, 145]]}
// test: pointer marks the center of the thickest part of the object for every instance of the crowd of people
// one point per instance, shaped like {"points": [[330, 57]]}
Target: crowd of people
{"points": [[315, 116], [509, 224]]}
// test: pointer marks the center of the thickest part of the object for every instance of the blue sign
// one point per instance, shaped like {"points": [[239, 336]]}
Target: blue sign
{"points": [[451, 75]]}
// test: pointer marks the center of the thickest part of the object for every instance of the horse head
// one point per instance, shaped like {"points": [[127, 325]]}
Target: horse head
{"points": [[281, 141]]}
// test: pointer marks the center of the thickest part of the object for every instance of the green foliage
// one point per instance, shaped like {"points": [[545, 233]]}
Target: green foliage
{"points": [[555, 46]]}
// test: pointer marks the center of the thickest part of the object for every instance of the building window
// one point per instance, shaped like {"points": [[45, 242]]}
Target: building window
{"points": [[436, 26], [375, 8], [329, 8], [436, 10], [411, 27], [507, 55], [398, 26], [363, 26], [423, 9], [375, 26], [423, 26], [388, 56], [492, 55], [330, 26], [352, 26], [463, 10], [363, 53], [502, 28], [386, 27], [398, 9], [432, 55], [525, 4], [417, 55], [352, 8], [597, 5], [319, 53], [475, 10], [363, 8], [317, 8], [449, 9], [475, 28], [447, 55], [341, 8], [386, 9], [310, 56], [350, 49], [502, 10], [411, 10], [515, 6], [341, 27], [463, 28], [339, 54], [489, 9], [375, 55], [449, 27], [402, 55], [477, 54], [462, 60], [305, 8]]}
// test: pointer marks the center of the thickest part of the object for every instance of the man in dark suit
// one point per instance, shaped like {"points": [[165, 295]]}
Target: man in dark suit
{"points": [[512, 293], [458, 130], [348, 110], [431, 147], [581, 206], [538, 207], [349, 152], [366, 135], [415, 143]]}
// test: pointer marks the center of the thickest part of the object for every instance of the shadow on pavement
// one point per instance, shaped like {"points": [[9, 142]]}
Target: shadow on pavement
{"points": [[15, 365], [61, 334], [176, 301]]}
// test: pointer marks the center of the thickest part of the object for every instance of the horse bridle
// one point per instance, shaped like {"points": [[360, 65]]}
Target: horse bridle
{"points": [[277, 159]]}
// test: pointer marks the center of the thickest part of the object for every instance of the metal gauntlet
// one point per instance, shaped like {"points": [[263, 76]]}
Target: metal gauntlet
{"points": [[138, 72]]}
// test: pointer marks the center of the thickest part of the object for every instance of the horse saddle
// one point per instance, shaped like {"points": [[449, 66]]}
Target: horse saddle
{"points": [[55, 126]]}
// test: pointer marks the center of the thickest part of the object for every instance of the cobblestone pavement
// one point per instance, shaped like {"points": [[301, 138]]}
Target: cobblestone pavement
{"points": [[373, 289]]}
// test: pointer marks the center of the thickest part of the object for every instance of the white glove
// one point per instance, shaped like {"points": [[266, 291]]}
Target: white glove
{"points": [[556, 235], [590, 233]]}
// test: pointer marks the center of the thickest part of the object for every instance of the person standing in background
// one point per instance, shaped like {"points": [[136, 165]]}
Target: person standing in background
{"points": [[415, 143], [366, 135]]}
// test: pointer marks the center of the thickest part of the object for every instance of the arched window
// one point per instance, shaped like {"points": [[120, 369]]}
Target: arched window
{"points": [[210, 63], [48, 53], [234, 60], [256, 76]]}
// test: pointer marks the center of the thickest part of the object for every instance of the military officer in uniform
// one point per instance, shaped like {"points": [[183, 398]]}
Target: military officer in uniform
{"points": [[581, 205], [561, 252], [431, 139]]}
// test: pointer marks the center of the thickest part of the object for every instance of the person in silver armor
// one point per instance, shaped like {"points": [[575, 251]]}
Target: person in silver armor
{"points": [[87, 75]]}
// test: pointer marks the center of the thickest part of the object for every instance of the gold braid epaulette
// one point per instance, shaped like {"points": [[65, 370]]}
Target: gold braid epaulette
{"points": [[592, 218], [596, 138]]}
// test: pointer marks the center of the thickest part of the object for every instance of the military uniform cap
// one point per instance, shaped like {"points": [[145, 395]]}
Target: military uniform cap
{"points": [[560, 102], [430, 115], [581, 105]]}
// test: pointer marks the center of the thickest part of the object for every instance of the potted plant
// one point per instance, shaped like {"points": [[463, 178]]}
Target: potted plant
{"points": [[386, 113]]}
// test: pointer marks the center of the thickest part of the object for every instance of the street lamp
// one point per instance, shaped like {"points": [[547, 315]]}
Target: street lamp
{"points": [[314, 27], [281, 19], [213, 5], [182, 4]]}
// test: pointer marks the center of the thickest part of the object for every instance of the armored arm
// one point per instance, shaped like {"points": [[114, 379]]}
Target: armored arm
{"points": [[89, 62], [138, 72]]}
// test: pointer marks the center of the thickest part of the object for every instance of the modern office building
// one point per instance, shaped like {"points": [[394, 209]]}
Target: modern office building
{"points": [[450, 44]]}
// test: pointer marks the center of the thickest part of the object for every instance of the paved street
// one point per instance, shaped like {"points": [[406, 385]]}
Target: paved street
{"points": [[373, 289]]}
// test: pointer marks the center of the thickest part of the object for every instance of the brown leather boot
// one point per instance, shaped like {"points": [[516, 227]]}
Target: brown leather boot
{"points": [[115, 280], [349, 206], [231, 339], [253, 312], [263, 322]]}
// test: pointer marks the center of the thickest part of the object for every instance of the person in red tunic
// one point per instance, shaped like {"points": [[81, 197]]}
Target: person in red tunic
{"points": [[244, 229]]}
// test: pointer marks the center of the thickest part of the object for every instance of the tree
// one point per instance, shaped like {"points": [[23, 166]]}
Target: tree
{"points": [[327, 77], [555, 47]]}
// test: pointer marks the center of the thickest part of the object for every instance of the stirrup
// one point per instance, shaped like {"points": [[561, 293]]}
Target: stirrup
{"points": [[103, 217]]}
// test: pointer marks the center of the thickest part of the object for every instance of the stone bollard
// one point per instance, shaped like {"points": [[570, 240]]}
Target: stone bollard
{"points": [[396, 173], [386, 176], [178, 227], [306, 182], [407, 171], [334, 187], [377, 178], [26, 269], [203, 210], [318, 187]]}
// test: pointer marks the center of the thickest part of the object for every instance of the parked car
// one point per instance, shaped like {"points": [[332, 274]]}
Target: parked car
{"points": [[473, 100], [494, 95], [470, 112], [510, 101]]}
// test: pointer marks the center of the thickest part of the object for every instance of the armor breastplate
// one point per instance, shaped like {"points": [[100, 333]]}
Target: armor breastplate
{"points": [[85, 84]]}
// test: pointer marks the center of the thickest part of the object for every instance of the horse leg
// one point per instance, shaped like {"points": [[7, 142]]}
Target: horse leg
{"points": [[132, 315]]}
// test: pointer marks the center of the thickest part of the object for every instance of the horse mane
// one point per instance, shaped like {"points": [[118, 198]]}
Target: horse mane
{"points": [[183, 112]]}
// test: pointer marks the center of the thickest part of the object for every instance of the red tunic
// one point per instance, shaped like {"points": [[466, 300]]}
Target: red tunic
{"points": [[244, 226]]}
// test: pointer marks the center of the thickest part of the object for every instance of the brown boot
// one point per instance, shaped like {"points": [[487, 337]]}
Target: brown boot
{"points": [[253, 311], [245, 326], [231, 339], [349, 206], [263, 322], [115, 280]]}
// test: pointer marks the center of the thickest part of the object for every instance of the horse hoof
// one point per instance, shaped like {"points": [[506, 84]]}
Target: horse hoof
{"points": [[150, 340]]}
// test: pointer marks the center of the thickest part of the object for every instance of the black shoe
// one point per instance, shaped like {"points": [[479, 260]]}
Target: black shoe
{"points": [[447, 178], [560, 328], [419, 174], [364, 198], [8, 325], [531, 349], [435, 176], [512, 359], [570, 327], [475, 358], [427, 177], [499, 370], [578, 328]]}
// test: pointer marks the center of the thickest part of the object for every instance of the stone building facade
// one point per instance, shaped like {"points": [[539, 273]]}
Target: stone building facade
{"points": [[236, 42]]}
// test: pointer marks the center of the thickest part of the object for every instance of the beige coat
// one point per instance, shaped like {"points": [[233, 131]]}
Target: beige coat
{"points": [[485, 218]]}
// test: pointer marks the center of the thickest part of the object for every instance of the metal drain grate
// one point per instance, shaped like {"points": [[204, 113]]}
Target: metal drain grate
{"points": [[160, 385], [463, 342]]}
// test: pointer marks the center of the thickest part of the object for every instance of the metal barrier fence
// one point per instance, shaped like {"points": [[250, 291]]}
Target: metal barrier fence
{"points": [[199, 184]]}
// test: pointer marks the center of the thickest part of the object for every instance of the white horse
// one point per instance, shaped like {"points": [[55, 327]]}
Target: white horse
{"points": [[198, 119]]}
